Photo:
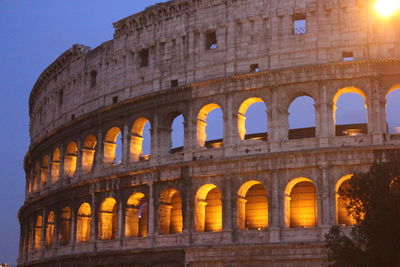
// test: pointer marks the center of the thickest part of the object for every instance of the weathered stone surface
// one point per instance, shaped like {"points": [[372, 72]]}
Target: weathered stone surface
{"points": [[166, 61]]}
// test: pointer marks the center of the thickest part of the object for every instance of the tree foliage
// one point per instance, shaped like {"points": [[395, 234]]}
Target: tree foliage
{"points": [[374, 202]]}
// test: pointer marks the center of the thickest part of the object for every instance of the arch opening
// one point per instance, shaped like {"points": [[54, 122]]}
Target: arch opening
{"points": [[70, 158], [65, 226], [44, 168], [107, 220], [252, 206], [136, 216], [350, 112], [393, 110], [301, 204], [50, 229], [210, 126], [88, 153], [208, 209], [55, 165], [84, 219], [302, 118], [112, 153], [170, 212], [177, 133], [140, 144], [342, 217], [253, 119], [38, 232]]}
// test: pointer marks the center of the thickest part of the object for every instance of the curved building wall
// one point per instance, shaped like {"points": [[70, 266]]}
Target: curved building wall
{"points": [[264, 199]]}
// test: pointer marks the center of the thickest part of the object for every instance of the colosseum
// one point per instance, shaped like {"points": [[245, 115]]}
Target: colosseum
{"points": [[96, 197]]}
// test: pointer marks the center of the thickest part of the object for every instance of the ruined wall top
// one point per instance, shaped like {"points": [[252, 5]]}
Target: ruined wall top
{"points": [[182, 42]]}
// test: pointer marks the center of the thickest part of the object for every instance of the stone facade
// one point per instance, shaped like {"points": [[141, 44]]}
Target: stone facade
{"points": [[83, 208]]}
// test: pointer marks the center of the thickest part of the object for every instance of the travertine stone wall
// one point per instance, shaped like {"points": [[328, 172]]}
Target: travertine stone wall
{"points": [[87, 96]]}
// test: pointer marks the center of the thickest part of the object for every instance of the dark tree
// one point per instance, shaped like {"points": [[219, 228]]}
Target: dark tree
{"points": [[374, 202]]}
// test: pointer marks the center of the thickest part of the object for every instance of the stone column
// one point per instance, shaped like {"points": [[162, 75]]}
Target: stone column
{"points": [[125, 145], [230, 129], [376, 113], [43, 232], [93, 221], [154, 153], [325, 197], [275, 215], [73, 224], [151, 209], [61, 170], [120, 221], [100, 152], [78, 172], [227, 207]]}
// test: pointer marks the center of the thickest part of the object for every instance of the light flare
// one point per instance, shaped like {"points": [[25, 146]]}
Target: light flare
{"points": [[387, 8]]}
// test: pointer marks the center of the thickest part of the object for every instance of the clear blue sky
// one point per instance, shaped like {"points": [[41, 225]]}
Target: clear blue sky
{"points": [[33, 34]]}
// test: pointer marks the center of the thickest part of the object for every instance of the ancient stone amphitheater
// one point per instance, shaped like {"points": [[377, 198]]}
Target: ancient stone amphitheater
{"points": [[261, 199]]}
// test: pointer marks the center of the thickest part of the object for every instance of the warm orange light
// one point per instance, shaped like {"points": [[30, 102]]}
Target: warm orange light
{"points": [[387, 8]]}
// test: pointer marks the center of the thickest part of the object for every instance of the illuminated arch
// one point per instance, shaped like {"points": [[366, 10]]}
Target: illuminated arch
{"points": [[252, 206], [50, 229], [342, 218], [170, 212], [88, 153], [55, 165], [38, 232], [70, 158], [107, 220], [300, 203], [44, 170], [345, 131], [202, 123], [65, 226], [242, 115], [302, 117], [136, 216], [110, 146], [393, 109], [83, 223], [136, 146], [208, 209], [35, 179]]}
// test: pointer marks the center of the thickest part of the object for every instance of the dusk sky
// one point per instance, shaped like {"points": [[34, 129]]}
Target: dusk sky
{"points": [[34, 34]]}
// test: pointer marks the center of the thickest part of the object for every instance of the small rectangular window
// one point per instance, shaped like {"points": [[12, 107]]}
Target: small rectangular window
{"points": [[347, 56], [254, 68], [60, 97], [144, 58], [72, 116], [174, 83], [115, 99], [93, 78], [211, 40], [299, 24]]}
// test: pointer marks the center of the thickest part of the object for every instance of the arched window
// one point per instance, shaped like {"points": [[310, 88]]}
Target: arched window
{"points": [[38, 232], [70, 158], [252, 206], [44, 170], [350, 112], [300, 204], [302, 118], [50, 229], [35, 179], [208, 209], [140, 140], [88, 153], [55, 165], [210, 126], [65, 226], [252, 119], [136, 218], [113, 147], [170, 212], [178, 133], [343, 218], [393, 110], [107, 221], [83, 223]]}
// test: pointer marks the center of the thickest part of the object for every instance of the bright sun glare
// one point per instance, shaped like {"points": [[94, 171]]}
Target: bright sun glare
{"points": [[387, 7]]}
